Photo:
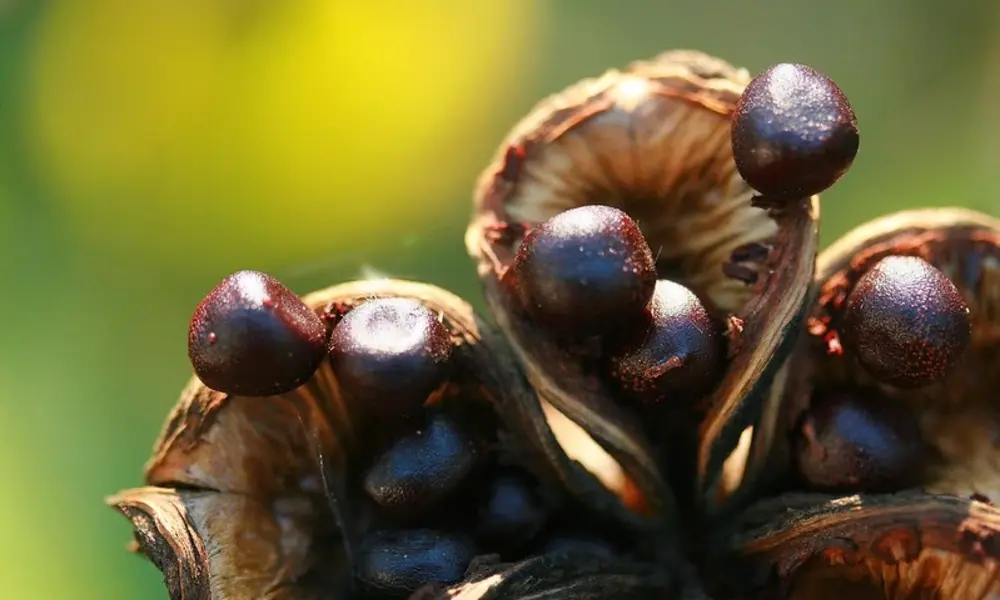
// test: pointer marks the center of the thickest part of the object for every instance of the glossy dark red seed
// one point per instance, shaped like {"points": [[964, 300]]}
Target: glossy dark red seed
{"points": [[389, 354], [252, 336], [794, 134], [857, 441], [585, 270], [906, 322], [679, 354], [423, 468]]}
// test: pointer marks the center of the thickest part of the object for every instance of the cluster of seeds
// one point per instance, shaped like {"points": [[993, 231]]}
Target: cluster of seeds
{"points": [[588, 277], [588, 273], [905, 326], [432, 478], [904, 322], [428, 491]]}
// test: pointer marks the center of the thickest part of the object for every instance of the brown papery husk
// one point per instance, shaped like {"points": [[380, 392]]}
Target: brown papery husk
{"points": [[959, 416], [236, 505], [568, 577], [653, 140], [908, 545]]}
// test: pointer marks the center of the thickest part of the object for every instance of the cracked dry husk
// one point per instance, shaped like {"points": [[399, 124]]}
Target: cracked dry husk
{"points": [[235, 505], [870, 547], [654, 140]]}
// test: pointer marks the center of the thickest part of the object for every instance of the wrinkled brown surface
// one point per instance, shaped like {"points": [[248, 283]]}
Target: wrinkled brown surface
{"points": [[213, 545], [873, 533], [654, 140], [239, 510], [567, 577]]}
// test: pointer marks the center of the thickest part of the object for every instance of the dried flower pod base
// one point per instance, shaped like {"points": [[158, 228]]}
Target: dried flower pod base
{"points": [[654, 140], [870, 547], [238, 506]]}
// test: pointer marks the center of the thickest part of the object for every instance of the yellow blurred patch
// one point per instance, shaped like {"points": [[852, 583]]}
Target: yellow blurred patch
{"points": [[267, 132]]}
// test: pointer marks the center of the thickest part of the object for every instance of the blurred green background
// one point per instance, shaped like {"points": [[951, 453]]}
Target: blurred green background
{"points": [[150, 147]]}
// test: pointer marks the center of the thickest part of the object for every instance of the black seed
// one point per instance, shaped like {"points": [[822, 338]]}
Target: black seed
{"points": [[585, 270], [906, 323], [393, 564], [513, 513], [422, 469], [252, 336], [794, 134], [389, 354], [679, 355], [750, 252], [579, 544], [856, 441], [740, 272]]}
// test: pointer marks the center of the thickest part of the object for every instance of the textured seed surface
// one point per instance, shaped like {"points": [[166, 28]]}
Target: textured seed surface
{"points": [[389, 354], [513, 512], [680, 353], [585, 269], [854, 441], [906, 322], [422, 469], [794, 133], [394, 563], [252, 336], [579, 544]]}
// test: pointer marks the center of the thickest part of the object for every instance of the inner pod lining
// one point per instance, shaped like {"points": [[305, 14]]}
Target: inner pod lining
{"points": [[665, 161]]}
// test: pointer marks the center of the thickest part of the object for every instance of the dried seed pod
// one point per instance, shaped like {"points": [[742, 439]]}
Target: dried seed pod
{"points": [[931, 532], [251, 495], [652, 140], [882, 547]]}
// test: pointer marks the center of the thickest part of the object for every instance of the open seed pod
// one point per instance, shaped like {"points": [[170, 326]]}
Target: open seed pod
{"points": [[648, 292], [368, 452], [894, 426]]}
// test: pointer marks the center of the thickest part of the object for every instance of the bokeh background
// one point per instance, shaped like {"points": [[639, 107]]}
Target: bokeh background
{"points": [[150, 147]]}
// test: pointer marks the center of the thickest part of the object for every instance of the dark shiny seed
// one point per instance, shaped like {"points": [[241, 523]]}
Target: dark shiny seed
{"points": [[853, 441], [680, 353], [252, 336], [794, 134], [585, 270], [389, 354], [579, 544], [422, 469], [906, 322], [393, 564], [513, 513]]}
